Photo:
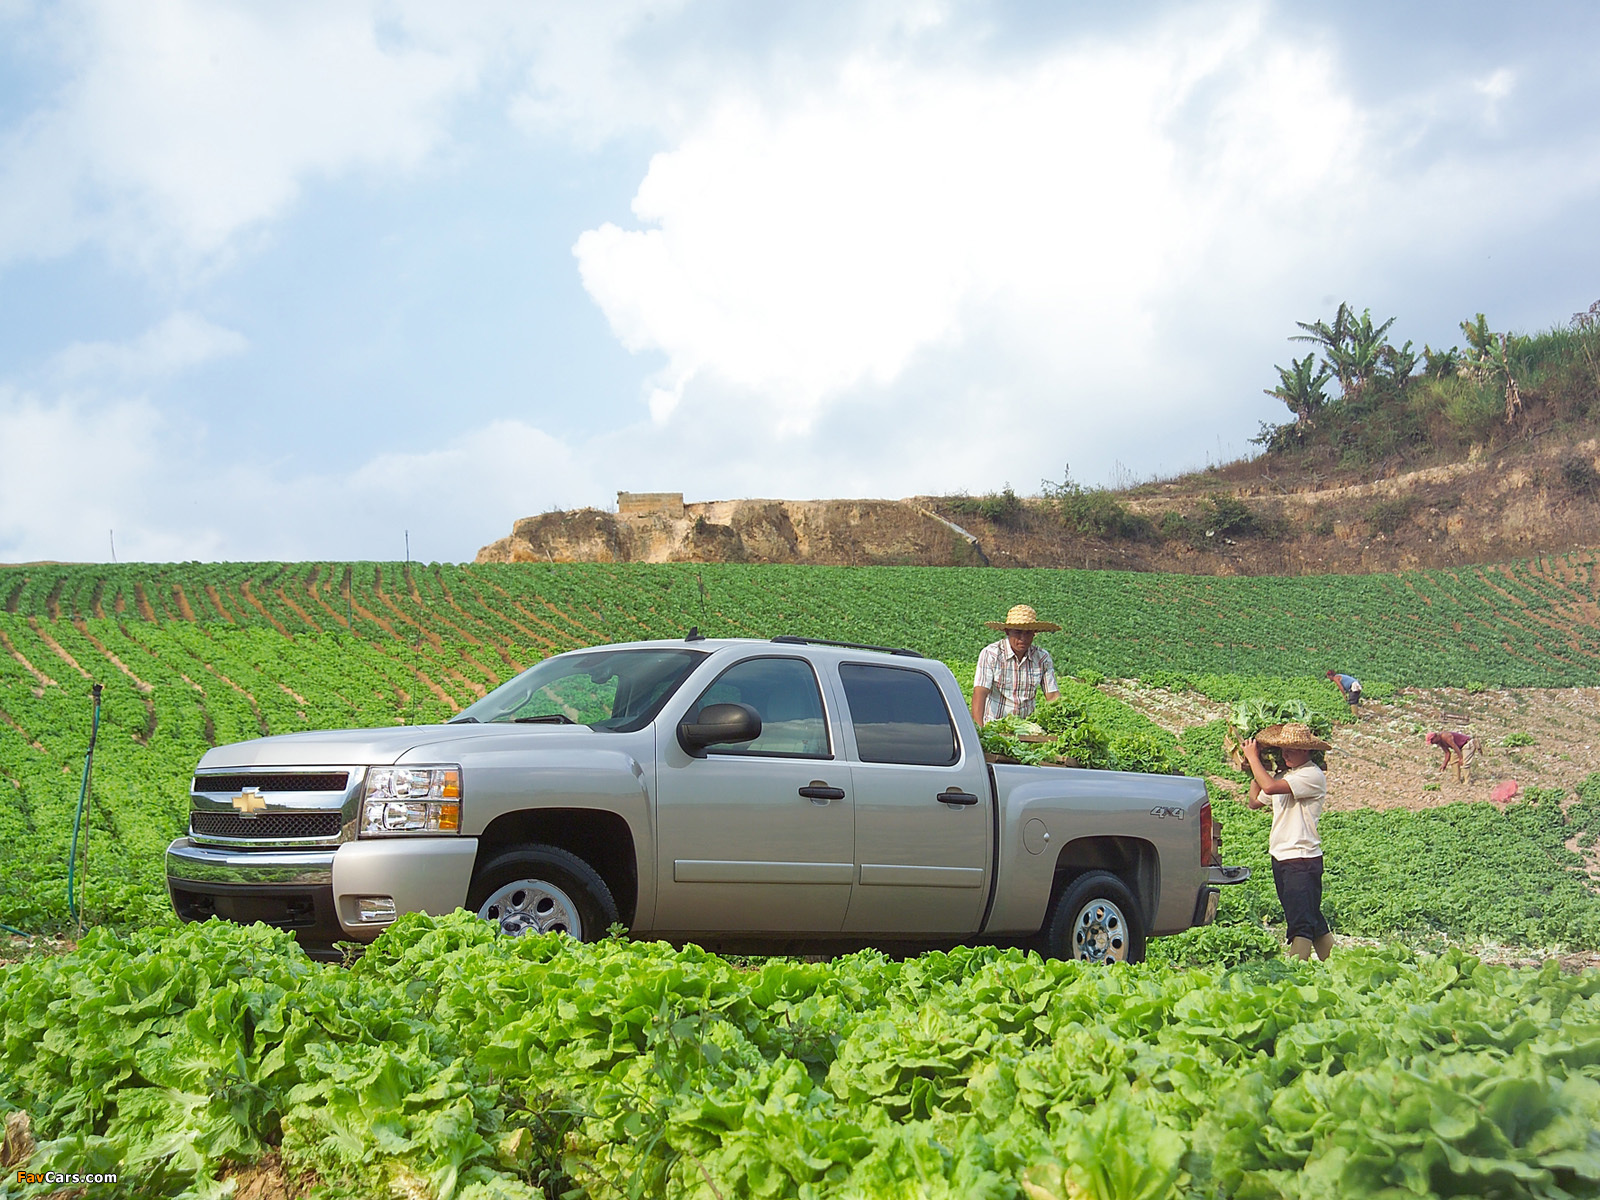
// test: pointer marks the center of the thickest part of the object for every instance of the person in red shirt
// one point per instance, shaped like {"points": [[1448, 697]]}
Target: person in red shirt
{"points": [[1459, 746]]}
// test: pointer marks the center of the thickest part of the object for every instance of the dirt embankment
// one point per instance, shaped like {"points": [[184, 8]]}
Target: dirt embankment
{"points": [[838, 532], [1239, 519]]}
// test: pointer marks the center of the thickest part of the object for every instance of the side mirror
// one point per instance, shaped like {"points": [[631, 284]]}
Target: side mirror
{"points": [[718, 723]]}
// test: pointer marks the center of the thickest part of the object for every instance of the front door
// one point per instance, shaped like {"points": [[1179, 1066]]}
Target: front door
{"points": [[924, 820], [759, 837]]}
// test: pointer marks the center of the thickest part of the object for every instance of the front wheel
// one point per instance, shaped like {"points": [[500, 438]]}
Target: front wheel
{"points": [[1096, 919], [542, 889]]}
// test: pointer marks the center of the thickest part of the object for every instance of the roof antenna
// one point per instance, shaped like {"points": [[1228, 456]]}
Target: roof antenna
{"points": [[694, 634]]}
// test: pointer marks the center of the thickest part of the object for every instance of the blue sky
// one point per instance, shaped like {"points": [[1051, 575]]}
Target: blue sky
{"points": [[289, 280]]}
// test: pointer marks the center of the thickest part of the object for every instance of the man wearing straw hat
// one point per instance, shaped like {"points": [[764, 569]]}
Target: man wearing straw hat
{"points": [[1012, 670], [1297, 794]]}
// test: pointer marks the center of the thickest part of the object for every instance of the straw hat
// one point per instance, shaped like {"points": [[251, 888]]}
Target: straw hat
{"points": [[1292, 736], [1022, 616]]}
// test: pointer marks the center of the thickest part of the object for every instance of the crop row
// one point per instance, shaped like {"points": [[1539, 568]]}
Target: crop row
{"points": [[175, 688], [1532, 623]]}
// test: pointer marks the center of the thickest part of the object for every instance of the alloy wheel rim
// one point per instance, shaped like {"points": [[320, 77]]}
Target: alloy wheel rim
{"points": [[532, 906], [1100, 933]]}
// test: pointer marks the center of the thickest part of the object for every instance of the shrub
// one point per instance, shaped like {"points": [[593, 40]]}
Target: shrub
{"points": [[1095, 512], [1004, 508], [1388, 515], [1579, 476]]}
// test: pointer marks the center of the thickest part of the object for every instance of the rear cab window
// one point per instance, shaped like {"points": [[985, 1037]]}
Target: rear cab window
{"points": [[899, 715]]}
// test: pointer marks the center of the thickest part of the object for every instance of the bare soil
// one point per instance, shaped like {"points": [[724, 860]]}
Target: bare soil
{"points": [[1512, 502], [1380, 760]]}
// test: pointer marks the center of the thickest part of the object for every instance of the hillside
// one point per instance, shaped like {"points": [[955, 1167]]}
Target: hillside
{"points": [[1422, 459], [1256, 517]]}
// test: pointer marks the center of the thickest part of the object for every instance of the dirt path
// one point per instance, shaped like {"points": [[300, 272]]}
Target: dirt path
{"points": [[1381, 760]]}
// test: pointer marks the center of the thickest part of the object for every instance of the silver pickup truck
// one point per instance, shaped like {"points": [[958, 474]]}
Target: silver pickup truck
{"points": [[762, 795]]}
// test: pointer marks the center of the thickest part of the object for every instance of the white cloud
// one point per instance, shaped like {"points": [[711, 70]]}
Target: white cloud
{"points": [[184, 123], [76, 472], [80, 472], [1497, 85], [182, 341], [798, 253]]}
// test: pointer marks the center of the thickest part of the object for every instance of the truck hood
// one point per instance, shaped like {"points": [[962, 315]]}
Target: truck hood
{"points": [[385, 747]]}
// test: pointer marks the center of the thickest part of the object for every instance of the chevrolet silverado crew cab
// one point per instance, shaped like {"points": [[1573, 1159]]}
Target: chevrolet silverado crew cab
{"points": [[737, 793]]}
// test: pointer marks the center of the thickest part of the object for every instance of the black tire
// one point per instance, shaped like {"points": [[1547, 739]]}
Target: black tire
{"points": [[1096, 919], [542, 889]]}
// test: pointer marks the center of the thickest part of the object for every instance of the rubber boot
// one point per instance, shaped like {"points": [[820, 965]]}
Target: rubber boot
{"points": [[1300, 948], [1323, 946]]}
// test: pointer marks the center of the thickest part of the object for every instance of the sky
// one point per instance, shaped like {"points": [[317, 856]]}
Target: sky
{"points": [[300, 280]]}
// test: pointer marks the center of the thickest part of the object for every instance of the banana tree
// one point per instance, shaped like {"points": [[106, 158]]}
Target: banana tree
{"points": [[1491, 359], [1441, 364], [1397, 364], [1330, 337], [1300, 386], [1352, 346]]}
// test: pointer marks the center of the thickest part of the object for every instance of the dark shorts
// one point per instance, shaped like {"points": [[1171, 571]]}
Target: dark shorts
{"points": [[1355, 696], [1299, 884]]}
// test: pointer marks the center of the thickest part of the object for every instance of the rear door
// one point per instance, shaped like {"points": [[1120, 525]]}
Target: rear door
{"points": [[923, 810], [758, 837]]}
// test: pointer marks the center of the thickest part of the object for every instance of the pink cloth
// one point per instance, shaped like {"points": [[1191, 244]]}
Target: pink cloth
{"points": [[1504, 791]]}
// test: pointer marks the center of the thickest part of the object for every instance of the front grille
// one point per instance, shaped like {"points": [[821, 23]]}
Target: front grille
{"points": [[284, 910], [268, 827], [279, 781]]}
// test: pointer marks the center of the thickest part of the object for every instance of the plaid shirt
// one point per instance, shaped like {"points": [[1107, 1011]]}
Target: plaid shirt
{"points": [[1013, 684]]}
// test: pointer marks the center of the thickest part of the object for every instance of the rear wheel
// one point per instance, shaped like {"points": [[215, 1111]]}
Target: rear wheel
{"points": [[542, 889], [1096, 919]]}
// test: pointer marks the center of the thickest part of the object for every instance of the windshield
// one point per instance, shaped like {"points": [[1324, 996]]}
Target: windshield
{"points": [[620, 690]]}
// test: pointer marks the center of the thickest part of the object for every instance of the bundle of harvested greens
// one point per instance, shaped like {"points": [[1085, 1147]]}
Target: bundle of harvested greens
{"points": [[1249, 717]]}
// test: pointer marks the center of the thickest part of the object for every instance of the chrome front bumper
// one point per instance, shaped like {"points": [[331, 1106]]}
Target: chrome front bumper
{"points": [[315, 893], [212, 864]]}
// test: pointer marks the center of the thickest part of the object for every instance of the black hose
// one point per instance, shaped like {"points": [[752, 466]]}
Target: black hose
{"points": [[83, 793]]}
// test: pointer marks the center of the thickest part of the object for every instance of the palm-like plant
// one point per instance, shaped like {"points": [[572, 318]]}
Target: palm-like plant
{"points": [[1491, 359], [1300, 386], [1330, 337], [1398, 363], [1441, 364], [1352, 346]]}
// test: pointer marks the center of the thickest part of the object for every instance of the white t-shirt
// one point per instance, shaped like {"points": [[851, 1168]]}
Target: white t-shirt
{"points": [[1295, 813]]}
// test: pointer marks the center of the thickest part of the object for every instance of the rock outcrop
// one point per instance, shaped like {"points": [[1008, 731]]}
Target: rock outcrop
{"points": [[834, 532]]}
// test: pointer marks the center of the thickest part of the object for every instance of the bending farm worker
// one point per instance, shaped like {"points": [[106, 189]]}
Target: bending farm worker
{"points": [[1350, 687], [1297, 793], [1462, 746], [1012, 671]]}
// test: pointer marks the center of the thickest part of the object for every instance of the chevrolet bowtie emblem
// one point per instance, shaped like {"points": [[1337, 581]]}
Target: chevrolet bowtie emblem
{"points": [[250, 801]]}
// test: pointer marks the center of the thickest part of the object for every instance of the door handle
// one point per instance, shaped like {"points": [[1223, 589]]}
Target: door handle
{"points": [[956, 797], [821, 793]]}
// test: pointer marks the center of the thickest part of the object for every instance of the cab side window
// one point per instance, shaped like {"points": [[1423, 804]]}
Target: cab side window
{"points": [[899, 716], [785, 693]]}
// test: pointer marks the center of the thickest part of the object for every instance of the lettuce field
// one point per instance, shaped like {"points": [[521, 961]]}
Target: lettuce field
{"points": [[452, 1062], [214, 1061]]}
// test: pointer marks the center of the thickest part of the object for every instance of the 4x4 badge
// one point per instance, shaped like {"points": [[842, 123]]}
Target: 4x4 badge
{"points": [[250, 801], [1161, 811]]}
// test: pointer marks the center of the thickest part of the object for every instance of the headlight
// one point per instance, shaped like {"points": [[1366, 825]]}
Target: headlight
{"points": [[411, 800]]}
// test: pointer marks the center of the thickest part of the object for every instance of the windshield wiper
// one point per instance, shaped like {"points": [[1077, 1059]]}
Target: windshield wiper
{"points": [[544, 719]]}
